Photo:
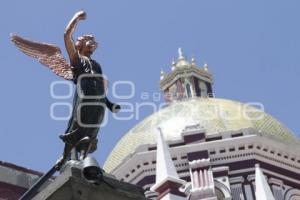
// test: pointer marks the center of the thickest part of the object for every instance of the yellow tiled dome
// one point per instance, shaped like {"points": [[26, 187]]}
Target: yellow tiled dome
{"points": [[214, 115]]}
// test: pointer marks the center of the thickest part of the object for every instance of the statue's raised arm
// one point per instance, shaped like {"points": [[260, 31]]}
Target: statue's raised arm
{"points": [[68, 36]]}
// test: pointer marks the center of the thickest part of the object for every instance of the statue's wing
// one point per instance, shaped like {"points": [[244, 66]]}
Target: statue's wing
{"points": [[47, 54]]}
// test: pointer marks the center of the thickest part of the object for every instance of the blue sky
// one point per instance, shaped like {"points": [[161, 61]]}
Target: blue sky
{"points": [[252, 48]]}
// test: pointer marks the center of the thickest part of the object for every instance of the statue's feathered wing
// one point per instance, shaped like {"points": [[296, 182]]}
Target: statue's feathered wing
{"points": [[47, 54]]}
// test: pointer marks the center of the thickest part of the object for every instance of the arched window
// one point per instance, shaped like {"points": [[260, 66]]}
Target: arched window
{"points": [[188, 90], [222, 192], [203, 89], [292, 194]]}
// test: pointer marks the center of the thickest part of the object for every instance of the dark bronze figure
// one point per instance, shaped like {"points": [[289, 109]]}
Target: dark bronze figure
{"points": [[90, 98]]}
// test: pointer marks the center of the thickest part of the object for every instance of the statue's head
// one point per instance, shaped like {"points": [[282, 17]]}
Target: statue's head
{"points": [[86, 45]]}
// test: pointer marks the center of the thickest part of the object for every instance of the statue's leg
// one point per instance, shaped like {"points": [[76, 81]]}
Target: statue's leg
{"points": [[85, 151], [82, 154], [74, 154], [83, 145], [67, 150], [89, 147]]}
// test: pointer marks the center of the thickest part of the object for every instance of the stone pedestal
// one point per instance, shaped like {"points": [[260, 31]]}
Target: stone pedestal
{"points": [[71, 185]]}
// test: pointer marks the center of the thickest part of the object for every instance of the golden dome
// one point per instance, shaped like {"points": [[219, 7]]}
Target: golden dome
{"points": [[214, 115], [182, 63]]}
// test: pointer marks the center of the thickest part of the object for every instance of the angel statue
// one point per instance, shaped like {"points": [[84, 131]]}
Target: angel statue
{"points": [[90, 97]]}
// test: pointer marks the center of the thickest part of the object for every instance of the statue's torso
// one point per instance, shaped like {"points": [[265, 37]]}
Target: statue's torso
{"points": [[89, 100], [89, 79]]}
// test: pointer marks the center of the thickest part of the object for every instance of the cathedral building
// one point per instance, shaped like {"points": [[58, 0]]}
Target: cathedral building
{"points": [[202, 147]]}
